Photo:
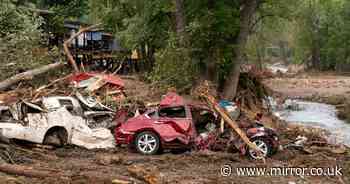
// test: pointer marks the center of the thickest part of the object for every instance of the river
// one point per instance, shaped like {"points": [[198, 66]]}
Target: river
{"points": [[317, 115]]}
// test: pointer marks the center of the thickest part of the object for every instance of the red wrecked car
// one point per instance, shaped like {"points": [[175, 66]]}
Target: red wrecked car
{"points": [[175, 124]]}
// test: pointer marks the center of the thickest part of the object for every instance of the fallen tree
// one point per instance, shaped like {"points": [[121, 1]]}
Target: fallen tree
{"points": [[28, 75]]}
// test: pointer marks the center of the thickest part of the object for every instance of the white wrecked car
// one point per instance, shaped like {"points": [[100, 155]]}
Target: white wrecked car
{"points": [[59, 121]]}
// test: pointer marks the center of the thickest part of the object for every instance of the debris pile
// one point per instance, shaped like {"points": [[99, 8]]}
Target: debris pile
{"points": [[69, 110]]}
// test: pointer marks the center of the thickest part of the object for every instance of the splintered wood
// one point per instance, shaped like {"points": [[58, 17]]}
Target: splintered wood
{"points": [[203, 91]]}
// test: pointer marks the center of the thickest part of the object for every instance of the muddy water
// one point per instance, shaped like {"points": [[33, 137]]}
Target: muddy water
{"points": [[317, 115]]}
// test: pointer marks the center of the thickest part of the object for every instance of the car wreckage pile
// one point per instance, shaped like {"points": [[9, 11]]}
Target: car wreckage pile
{"points": [[85, 110], [79, 118]]}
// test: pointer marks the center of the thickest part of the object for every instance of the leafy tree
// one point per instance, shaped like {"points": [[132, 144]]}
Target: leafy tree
{"points": [[20, 38]]}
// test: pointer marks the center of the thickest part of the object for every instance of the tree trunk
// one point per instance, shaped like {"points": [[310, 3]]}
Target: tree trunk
{"points": [[316, 46], [315, 58], [211, 69], [259, 57], [248, 9], [28, 75], [180, 20], [283, 51], [315, 25], [150, 57]]}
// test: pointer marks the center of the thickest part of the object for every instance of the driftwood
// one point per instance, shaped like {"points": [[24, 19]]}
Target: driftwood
{"points": [[69, 41], [28, 75], [29, 171], [141, 173]]}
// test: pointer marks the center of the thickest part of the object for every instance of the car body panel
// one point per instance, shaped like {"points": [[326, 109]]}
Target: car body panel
{"points": [[177, 130], [38, 125]]}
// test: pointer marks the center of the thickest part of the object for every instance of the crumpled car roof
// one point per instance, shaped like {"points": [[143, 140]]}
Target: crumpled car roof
{"points": [[172, 99], [109, 78]]}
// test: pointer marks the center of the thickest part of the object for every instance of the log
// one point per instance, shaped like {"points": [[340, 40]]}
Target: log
{"points": [[141, 173], [28, 75], [29, 171], [212, 102], [69, 41]]}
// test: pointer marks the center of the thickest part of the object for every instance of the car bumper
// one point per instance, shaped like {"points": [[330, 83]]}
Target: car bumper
{"points": [[123, 137]]}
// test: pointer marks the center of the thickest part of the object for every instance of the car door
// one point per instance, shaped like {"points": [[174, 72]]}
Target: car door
{"points": [[177, 115]]}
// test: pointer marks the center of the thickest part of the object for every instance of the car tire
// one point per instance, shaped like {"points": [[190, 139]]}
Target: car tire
{"points": [[147, 143], [263, 144]]}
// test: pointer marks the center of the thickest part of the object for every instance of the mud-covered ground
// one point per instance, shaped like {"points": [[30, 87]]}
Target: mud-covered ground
{"points": [[311, 84], [77, 165]]}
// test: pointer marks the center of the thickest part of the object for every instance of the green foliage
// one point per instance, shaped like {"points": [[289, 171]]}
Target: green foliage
{"points": [[213, 29], [174, 68], [20, 39], [328, 23], [63, 10]]}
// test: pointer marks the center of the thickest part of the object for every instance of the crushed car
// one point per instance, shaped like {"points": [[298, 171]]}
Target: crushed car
{"points": [[177, 124], [58, 120]]}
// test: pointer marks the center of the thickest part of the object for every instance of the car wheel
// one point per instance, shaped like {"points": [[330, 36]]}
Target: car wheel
{"points": [[263, 145], [147, 143], [56, 137]]}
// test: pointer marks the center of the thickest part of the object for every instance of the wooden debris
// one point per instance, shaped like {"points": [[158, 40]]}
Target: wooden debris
{"points": [[141, 173], [29, 171], [119, 67], [204, 92], [119, 181]]}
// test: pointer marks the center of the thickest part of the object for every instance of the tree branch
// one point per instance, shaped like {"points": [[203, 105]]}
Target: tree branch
{"points": [[67, 43]]}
